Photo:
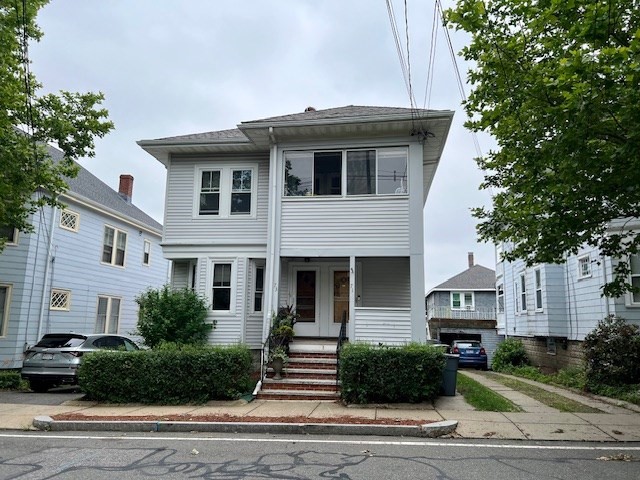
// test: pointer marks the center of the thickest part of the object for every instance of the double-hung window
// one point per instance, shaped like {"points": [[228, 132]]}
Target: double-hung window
{"points": [[114, 246], [500, 289], [258, 289], [209, 192], [5, 296], [538, 278], [9, 234], [634, 263], [381, 171], [225, 191], [462, 301], [146, 252], [584, 266], [108, 315], [523, 292], [221, 294]]}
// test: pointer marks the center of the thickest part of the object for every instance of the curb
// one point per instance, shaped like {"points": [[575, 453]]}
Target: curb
{"points": [[429, 430]]}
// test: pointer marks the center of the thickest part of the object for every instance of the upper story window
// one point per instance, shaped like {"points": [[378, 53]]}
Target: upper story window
{"points": [[500, 289], [5, 296], [69, 220], [462, 301], [146, 252], [584, 266], [380, 171], [9, 234], [225, 192], [114, 246], [210, 192]]}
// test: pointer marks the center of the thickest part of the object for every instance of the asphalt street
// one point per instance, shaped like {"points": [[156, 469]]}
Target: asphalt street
{"points": [[32, 455]]}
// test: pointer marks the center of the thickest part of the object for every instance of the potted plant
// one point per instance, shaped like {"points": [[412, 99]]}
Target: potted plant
{"points": [[278, 359], [282, 327]]}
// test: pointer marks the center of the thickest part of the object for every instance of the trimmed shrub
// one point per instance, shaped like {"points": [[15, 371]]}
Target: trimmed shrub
{"points": [[169, 375], [176, 316], [370, 374], [509, 354], [612, 353], [10, 380]]}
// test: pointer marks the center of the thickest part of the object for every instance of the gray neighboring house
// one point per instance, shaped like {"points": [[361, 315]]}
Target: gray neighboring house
{"points": [[552, 307], [81, 268], [464, 308]]}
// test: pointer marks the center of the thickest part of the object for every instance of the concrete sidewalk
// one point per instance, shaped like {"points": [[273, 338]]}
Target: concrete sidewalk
{"points": [[537, 422]]}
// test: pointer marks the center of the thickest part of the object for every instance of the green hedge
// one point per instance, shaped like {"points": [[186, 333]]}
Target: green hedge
{"points": [[379, 374], [170, 375], [10, 380]]}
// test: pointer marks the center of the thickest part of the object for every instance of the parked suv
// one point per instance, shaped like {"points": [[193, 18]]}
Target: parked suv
{"points": [[54, 360], [472, 353]]}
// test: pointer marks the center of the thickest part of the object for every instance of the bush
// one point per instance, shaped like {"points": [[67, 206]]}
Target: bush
{"points": [[10, 380], [176, 316], [369, 374], [169, 375], [612, 353], [510, 353]]}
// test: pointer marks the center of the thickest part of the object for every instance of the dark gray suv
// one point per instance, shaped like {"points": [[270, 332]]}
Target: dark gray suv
{"points": [[54, 360]]}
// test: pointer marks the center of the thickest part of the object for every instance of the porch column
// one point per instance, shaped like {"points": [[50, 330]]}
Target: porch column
{"points": [[351, 326]]}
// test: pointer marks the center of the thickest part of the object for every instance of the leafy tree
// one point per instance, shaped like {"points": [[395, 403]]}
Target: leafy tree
{"points": [[557, 83], [28, 122], [175, 316]]}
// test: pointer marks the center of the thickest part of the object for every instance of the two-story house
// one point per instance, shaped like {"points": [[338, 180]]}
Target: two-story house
{"points": [[464, 308], [81, 268], [552, 307], [322, 210]]}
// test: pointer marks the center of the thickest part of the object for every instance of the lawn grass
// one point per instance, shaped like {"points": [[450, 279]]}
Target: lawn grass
{"points": [[483, 398], [553, 400]]}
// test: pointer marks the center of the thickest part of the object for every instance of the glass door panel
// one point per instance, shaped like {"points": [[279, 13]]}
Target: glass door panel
{"points": [[306, 295], [340, 295]]}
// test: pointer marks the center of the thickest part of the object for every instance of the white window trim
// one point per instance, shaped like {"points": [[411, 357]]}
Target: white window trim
{"points": [[254, 275], [115, 243], [144, 244], [226, 179], [522, 281], [499, 286], [234, 286], [70, 212], [343, 178], [108, 314], [7, 309], [580, 259], [462, 303], [629, 296], [538, 288], [14, 242], [60, 291]]}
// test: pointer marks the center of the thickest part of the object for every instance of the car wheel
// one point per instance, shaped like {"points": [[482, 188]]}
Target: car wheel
{"points": [[39, 386]]}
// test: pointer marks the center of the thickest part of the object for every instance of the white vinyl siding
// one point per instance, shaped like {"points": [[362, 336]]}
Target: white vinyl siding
{"points": [[340, 227], [181, 226], [383, 325]]}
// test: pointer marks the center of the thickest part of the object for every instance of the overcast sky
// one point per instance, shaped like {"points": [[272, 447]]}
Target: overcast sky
{"points": [[179, 67]]}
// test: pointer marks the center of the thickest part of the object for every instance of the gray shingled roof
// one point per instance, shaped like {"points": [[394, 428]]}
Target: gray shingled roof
{"points": [[89, 186], [474, 278], [232, 134], [341, 112]]}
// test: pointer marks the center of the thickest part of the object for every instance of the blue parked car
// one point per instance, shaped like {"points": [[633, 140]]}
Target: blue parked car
{"points": [[472, 353]]}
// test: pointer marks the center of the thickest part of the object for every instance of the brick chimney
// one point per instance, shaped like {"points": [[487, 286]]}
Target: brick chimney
{"points": [[469, 255], [126, 187]]}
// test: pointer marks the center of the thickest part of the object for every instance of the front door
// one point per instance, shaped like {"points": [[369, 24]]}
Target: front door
{"points": [[321, 299]]}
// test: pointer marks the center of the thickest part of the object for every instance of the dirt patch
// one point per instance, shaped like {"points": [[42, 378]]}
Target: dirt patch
{"points": [[349, 420]]}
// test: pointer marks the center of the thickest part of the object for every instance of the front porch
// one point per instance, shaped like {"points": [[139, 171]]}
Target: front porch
{"points": [[373, 293]]}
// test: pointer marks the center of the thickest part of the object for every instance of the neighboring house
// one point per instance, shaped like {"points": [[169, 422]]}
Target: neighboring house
{"points": [[322, 210], [552, 307], [464, 308], [80, 269]]}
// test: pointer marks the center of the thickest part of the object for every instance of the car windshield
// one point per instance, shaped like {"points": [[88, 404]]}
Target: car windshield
{"points": [[59, 341], [468, 345]]}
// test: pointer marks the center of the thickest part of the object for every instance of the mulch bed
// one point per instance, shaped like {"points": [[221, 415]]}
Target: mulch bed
{"points": [[235, 419]]}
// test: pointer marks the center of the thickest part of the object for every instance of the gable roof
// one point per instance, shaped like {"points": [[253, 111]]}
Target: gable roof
{"points": [[474, 278], [86, 186]]}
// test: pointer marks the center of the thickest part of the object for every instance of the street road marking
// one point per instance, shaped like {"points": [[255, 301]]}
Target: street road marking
{"points": [[409, 443]]}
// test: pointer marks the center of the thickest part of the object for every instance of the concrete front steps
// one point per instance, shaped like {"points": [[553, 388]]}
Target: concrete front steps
{"points": [[310, 374]]}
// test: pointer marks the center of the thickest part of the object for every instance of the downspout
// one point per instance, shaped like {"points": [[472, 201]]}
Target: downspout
{"points": [[607, 310], [46, 274]]}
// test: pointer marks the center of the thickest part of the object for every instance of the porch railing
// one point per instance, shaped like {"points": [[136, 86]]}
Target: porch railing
{"points": [[342, 337], [479, 313]]}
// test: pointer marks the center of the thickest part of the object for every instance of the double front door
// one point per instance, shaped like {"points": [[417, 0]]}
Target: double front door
{"points": [[321, 296]]}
